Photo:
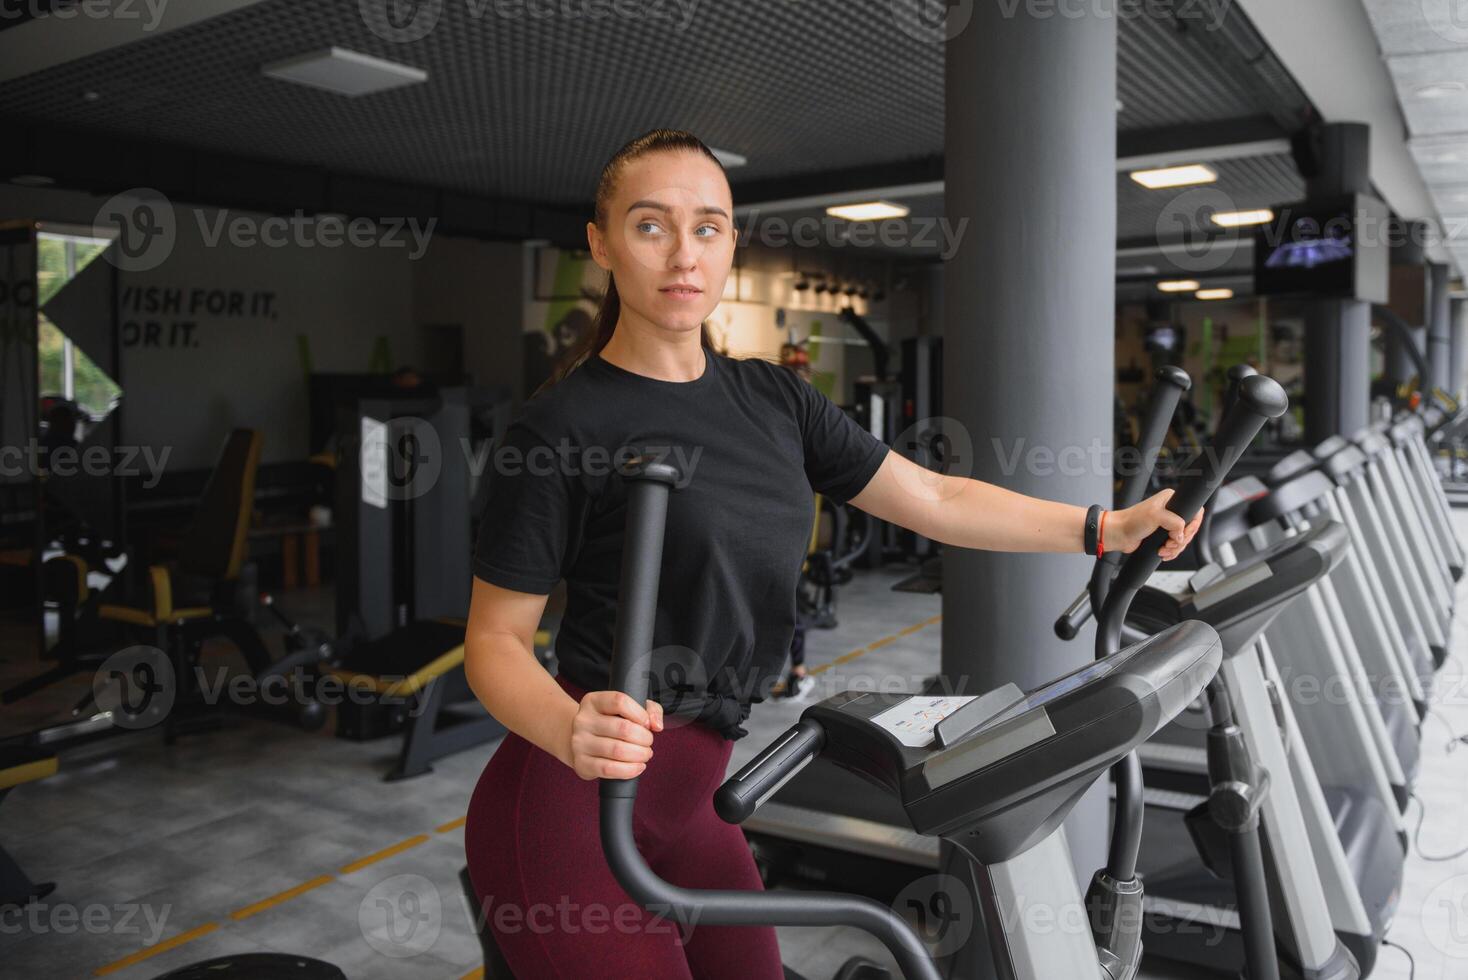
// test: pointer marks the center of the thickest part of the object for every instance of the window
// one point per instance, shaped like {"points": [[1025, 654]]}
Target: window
{"points": [[66, 372]]}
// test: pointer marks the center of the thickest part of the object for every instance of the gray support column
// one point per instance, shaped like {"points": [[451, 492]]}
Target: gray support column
{"points": [[1029, 369], [1439, 329], [1458, 347], [1337, 332]]}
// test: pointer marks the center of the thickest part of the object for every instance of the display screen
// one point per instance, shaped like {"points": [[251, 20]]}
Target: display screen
{"points": [[1065, 685], [1330, 248]]}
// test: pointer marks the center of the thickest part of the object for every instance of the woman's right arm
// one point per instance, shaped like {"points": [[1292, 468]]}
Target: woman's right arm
{"points": [[606, 735]]}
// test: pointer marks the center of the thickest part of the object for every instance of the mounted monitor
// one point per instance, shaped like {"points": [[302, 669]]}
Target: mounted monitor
{"points": [[1332, 247]]}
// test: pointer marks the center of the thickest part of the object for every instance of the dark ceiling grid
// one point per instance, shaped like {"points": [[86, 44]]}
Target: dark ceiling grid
{"points": [[1248, 184]]}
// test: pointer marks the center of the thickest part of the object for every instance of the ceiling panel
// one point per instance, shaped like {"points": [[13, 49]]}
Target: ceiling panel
{"points": [[1433, 90], [1417, 26], [515, 106]]}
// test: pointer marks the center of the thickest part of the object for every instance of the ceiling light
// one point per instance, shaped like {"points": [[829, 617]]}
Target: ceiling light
{"points": [[1214, 294], [1238, 219], [1185, 176], [729, 158], [1137, 271], [869, 211], [1439, 90], [1178, 285], [344, 72]]}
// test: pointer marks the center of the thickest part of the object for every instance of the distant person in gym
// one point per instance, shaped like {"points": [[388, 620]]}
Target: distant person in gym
{"points": [[753, 442]]}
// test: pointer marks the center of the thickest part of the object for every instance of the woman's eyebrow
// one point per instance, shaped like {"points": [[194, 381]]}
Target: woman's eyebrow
{"points": [[656, 206]]}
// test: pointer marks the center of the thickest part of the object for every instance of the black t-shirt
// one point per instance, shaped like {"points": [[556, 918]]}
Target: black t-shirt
{"points": [[751, 440]]}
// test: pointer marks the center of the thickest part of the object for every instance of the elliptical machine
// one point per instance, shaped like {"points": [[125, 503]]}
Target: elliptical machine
{"points": [[994, 776]]}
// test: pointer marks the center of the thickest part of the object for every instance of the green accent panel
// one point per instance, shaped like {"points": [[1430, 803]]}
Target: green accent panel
{"points": [[380, 362]]}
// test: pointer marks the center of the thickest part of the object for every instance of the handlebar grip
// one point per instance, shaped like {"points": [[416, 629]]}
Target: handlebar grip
{"points": [[743, 792], [1260, 398], [1170, 384], [649, 483], [1070, 622]]}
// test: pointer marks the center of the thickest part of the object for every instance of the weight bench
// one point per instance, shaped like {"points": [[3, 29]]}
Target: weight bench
{"points": [[416, 673], [21, 764]]}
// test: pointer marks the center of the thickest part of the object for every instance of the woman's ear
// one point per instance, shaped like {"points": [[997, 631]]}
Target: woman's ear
{"points": [[598, 245]]}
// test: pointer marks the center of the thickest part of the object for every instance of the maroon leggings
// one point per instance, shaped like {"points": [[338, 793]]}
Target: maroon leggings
{"points": [[535, 857]]}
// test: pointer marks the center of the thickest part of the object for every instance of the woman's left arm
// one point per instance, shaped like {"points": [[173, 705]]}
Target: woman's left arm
{"points": [[969, 513]]}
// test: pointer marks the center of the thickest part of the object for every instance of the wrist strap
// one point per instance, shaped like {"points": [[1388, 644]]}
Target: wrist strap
{"points": [[1101, 537], [1093, 529]]}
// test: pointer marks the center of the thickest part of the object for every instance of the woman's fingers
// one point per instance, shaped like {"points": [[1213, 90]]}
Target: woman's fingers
{"points": [[616, 750], [613, 726]]}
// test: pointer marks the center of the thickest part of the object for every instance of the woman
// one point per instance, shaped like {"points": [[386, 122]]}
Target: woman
{"points": [[752, 441]]}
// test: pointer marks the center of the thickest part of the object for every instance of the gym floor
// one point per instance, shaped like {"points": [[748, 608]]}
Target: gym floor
{"points": [[258, 837]]}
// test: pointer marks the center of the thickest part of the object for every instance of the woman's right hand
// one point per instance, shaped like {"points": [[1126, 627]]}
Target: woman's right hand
{"points": [[611, 735]]}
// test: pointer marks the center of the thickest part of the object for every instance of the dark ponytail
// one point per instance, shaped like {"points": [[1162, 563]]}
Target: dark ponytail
{"points": [[609, 310]]}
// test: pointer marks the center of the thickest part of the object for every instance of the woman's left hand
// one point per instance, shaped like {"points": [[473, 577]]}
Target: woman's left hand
{"points": [[1125, 530]]}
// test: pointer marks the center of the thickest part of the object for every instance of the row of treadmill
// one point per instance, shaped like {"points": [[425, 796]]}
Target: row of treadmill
{"points": [[1330, 580]]}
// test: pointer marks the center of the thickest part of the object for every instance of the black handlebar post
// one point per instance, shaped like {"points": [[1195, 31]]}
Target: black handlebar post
{"points": [[648, 486], [1169, 385], [1260, 398], [1236, 376]]}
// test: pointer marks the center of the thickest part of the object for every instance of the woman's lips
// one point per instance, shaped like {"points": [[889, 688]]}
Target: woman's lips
{"points": [[681, 292]]}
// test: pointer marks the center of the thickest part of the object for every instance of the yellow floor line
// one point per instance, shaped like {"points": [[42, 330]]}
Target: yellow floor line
{"points": [[384, 854], [155, 949], [475, 974], [285, 896], [451, 825], [846, 658]]}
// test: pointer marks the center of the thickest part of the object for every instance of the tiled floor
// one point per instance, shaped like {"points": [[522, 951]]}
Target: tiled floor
{"points": [[260, 837]]}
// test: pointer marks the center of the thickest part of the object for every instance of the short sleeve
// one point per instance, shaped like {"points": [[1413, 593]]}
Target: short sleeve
{"points": [[526, 524], [840, 456]]}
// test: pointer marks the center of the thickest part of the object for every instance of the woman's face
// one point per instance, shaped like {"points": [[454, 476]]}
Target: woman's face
{"points": [[669, 238]]}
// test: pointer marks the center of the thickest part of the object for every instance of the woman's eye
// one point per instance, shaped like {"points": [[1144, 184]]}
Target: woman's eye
{"points": [[648, 227], [707, 231]]}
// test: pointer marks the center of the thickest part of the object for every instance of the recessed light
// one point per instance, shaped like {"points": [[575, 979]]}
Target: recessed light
{"points": [[869, 211], [1238, 219], [1439, 90], [729, 158], [1137, 271], [344, 72], [91, 96], [32, 180], [1178, 285], [1214, 294], [1184, 176]]}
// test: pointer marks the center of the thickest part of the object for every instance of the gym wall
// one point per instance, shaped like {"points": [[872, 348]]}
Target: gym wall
{"points": [[218, 334]]}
